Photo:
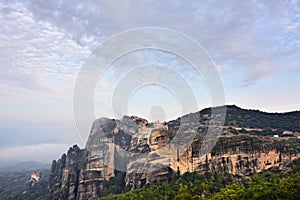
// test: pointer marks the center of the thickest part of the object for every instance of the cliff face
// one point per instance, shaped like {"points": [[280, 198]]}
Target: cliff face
{"points": [[250, 155], [153, 152], [65, 174]]}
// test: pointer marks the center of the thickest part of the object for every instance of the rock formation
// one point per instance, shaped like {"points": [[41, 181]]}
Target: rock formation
{"points": [[150, 152], [34, 179]]}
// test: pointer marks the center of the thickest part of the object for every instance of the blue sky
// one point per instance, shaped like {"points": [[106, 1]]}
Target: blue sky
{"points": [[254, 44]]}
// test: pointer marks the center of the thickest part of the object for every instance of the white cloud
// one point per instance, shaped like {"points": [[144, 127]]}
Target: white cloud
{"points": [[35, 55], [244, 32], [44, 43]]}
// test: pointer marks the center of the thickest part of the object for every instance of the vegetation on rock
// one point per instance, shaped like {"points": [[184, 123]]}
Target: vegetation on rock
{"points": [[213, 186]]}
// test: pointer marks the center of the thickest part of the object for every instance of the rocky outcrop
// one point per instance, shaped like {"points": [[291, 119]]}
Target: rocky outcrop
{"points": [[34, 179], [149, 157], [241, 163], [65, 174], [150, 152]]}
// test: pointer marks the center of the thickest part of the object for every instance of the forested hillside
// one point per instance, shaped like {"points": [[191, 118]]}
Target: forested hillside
{"points": [[13, 186], [245, 118], [212, 186]]}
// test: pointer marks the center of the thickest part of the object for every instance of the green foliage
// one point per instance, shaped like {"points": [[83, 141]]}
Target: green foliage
{"points": [[188, 186], [214, 186], [13, 184], [231, 192], [239, 117], [272, 187]]}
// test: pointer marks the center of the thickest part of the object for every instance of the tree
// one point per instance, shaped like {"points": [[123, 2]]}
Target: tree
{"points": [[231, 192]]}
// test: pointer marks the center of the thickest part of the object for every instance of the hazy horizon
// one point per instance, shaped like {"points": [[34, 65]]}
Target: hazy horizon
{"points": [[65, 148]]}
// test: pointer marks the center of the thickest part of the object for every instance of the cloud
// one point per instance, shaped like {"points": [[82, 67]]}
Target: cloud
{"points": [[258, 72], [35, 55], [241, 32], [39, 65], [44, 43]]}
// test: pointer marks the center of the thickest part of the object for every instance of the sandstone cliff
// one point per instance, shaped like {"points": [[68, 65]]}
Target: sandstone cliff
{"points": [[150, 152]]}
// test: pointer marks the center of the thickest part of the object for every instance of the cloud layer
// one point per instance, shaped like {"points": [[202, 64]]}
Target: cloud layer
{"points": [[255, 45]]}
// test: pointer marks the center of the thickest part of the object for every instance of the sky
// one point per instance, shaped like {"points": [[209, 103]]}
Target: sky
{"points": [[255, 46]]}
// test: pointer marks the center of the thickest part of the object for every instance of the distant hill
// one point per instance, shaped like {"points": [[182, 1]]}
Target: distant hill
{"points": [[244, 121], [24, 166], [13, 185], [244, 118], [248, 118]]}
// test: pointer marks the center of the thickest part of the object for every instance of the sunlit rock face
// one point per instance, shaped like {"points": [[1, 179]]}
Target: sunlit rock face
{"points": [[149, 156], [150, 152], [246, 155]]}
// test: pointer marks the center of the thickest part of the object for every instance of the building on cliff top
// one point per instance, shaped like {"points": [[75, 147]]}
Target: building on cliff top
{"points": [[287, 134], [36, 176]]}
